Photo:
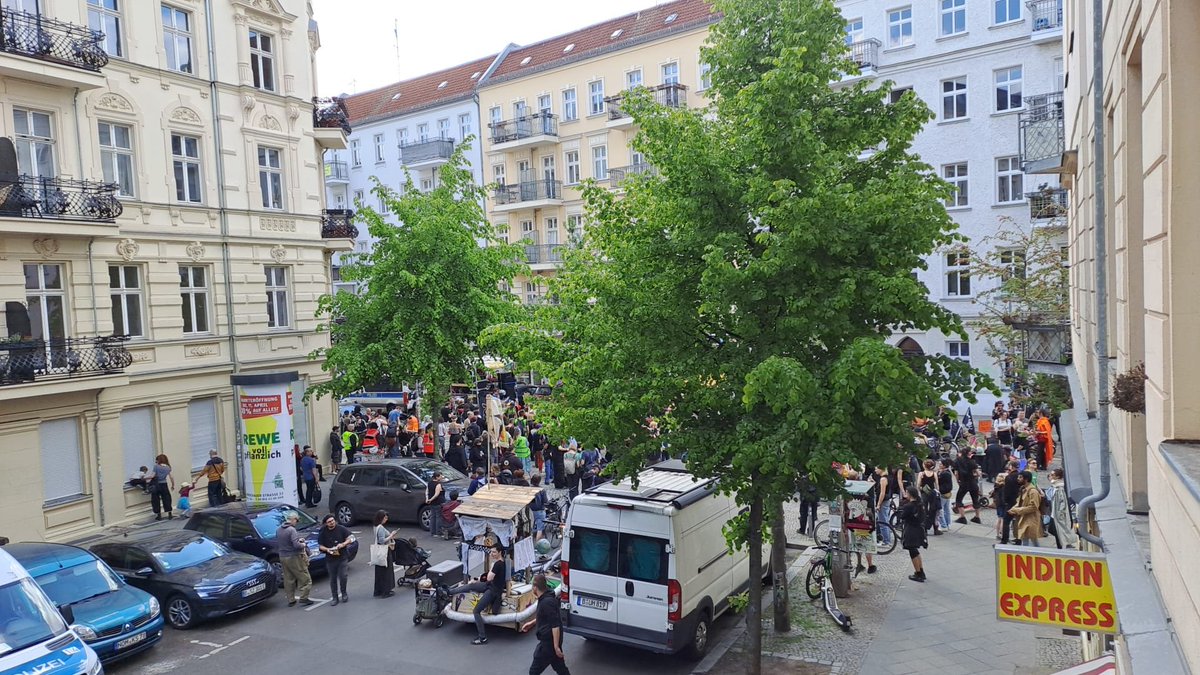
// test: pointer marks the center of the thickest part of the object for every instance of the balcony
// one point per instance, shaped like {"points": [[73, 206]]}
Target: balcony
{"points": [[543, 256], [531, 194], [68, 362], [1042, 141], [669, 95], [866, 54], [618, 174], [331, 122], [336, 171], [527, 131], [91, 208], [1047, 204], [338, 229], [1047, 18], [426, 153], [52, 51]]}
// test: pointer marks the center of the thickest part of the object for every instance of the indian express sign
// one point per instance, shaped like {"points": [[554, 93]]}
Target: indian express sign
{"points": [[1050, 587]]}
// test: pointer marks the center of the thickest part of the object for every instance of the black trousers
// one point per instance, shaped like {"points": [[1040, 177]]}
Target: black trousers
{"points": [[543, 655], [216, 493], [160, 498], [311, 486], [808, 514], [971, 488]]}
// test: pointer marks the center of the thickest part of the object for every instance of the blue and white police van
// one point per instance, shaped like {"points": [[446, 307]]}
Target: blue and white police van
{"points": [[35, 638]]}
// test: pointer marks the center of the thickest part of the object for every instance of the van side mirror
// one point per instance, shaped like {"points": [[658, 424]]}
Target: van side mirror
{"points": [[67, 613]]}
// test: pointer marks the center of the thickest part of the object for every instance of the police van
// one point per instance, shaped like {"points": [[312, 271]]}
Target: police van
{"points": [[34, 637], [648, 566]]}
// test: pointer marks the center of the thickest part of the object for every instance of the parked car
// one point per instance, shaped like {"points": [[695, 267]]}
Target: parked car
{"points": [[112, 617], [194, 577], [34, 638], [395, 485], [533, 390], [251, 528]]}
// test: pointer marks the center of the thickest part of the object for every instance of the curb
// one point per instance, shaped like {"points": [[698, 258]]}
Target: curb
{"points": [[723, 646]]}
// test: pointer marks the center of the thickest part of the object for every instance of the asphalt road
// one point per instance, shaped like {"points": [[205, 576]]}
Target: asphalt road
{"points": [[369, 635]]}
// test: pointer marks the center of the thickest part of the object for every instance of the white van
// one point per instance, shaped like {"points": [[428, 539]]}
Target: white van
{"points": [[649, 567], [34, 637]]}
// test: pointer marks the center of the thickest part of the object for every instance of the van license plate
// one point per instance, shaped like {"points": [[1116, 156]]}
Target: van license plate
{"points": [[130, 641], [254, 589], [592, 603]]}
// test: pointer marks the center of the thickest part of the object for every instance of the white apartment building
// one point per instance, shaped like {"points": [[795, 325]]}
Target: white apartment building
{"points": [[979, 65]]}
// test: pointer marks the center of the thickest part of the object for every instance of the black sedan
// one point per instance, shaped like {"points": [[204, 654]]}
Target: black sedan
{"points": [[194, 577], [251, 528]]}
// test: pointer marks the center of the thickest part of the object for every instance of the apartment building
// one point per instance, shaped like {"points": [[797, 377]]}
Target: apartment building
{"points": [[554, 119], [978, 66], [1149, 82], [167, 189]]}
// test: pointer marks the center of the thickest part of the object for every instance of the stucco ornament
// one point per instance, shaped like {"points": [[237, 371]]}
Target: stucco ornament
{"points": [[112, 101], [269, 122], [127, 249], [47, 246], [195, 251], [186, 115], [278, 253]]}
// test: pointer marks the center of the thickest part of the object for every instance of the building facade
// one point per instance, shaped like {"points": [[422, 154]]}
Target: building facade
{"points": [[978, 66], [167, 188]]}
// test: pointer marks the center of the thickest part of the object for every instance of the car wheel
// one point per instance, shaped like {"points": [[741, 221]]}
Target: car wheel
{"points": [[181, 614], [345, 514], [424, 516], [698, 646]]}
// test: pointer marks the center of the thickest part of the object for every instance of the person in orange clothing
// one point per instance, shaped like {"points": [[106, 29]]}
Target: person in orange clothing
{"points": [[1044, 438]]}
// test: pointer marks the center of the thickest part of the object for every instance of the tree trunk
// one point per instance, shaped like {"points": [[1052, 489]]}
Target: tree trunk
{"points": [[779, 583], [754, 608]]}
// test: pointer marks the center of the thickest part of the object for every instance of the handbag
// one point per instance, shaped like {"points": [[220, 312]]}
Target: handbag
{"points": [[379, 554]]}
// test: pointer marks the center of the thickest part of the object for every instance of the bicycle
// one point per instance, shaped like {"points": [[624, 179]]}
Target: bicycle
{"points": [[556, 520], [818, 584], [821, 534]]}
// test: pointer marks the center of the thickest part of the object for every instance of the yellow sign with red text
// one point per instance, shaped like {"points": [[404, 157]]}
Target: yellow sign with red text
{"points": [[1065, 589]]}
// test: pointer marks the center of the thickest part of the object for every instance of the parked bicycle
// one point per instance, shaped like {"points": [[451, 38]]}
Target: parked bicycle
{"points": [[557, 510], [818, 584], [885, 536]]}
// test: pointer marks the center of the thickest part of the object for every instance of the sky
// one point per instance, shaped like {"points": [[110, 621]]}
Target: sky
{"points": [[358, 45]]}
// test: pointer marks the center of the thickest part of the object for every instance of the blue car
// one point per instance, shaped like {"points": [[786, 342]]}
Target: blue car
{"points": [[113, 618]]}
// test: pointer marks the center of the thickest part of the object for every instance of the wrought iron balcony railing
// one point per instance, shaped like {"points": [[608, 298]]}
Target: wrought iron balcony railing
{"points": [[1048, 203], [528, 191], [543, 253], [619, 173], [336, 170], [59, 199], [331, 113], [415, 152], [1046, 14], [1047, 342], [1042, 139], [336, 224], [865, 53], [670, 95], [38, 37], [526, 126], [63, 358]]}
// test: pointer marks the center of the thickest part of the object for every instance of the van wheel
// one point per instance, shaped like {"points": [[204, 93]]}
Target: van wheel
{"points": [[698, 646]]}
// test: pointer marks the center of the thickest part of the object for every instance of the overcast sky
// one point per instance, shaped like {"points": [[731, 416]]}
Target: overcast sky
{"points": [[358, 47]]}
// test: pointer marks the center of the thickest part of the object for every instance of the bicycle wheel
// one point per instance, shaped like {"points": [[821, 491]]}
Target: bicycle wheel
{"points": [[553, 532], [821, 532], [814, 583], [886, 533]]}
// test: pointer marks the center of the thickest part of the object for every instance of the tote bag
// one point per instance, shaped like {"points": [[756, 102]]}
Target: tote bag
{"points": [[379, 554]]}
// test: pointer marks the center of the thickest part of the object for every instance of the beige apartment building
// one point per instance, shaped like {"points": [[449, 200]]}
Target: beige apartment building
{"points": [[554, 119], [168, 188], [1151, 90]]}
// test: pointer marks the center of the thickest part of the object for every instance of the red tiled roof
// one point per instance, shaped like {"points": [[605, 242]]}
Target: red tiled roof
{"points": [[633, 28], [418, 92]]}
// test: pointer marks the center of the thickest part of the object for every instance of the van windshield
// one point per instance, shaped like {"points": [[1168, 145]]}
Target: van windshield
{"points": [[26, 617]]}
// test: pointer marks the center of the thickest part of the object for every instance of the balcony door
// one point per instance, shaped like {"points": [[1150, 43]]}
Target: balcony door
{"points": [[528, 182], [46, 310], [548, 177], [30, 6], [529, 239]]}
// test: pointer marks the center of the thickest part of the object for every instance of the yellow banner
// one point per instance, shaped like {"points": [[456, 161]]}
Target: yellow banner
{"points": [[1066, 589]]}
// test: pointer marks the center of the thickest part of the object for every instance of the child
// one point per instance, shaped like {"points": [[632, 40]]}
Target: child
{"points": [[185, 502], [142, 478]]}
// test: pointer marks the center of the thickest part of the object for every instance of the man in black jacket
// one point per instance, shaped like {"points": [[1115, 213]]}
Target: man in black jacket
{"points": [[1008, 495], [549, 630], [967, 470]]}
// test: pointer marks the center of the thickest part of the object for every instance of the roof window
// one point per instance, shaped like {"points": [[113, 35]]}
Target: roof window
{"points": [[671, 18], [443, 84], [475, 76], [396, 96], [616, 34], [525, 61], [568, 48]]}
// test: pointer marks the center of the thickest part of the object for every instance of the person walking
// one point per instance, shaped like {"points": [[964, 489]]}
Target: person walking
{"points": [[350, 442], [808, 504], [434, 496], [308, 472], [548, 620], [912, 517], [164, 482], [333, 540], [213, 472], [385, 575], [1027, 511], [946, 487], [293, 555], [492, 586], [1045, 442], [968, 483], [1009, 494], [927, 485]]}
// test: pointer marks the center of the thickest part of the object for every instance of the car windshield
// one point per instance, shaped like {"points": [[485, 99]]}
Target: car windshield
{"points": [[76, 584], [425, 468], [189, 554], [267, 523], [26, 617]]}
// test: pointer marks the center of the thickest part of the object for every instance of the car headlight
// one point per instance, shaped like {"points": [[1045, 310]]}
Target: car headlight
{"points": [[84, 632], [155, 608], [96, 668], [210, 591]]}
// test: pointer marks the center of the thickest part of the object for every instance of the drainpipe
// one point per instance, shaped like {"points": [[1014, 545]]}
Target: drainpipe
{"points": [[1102, 402], [96, 329]]}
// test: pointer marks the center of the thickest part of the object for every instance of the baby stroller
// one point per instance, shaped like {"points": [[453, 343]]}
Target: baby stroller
{"points": [[412, 561], [431, 600]]}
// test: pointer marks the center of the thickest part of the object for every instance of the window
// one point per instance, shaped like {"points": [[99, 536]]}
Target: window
{"points": [[1008, 89], [62, 459], [954, 17], [705, 76], [355, 155], [1006, 10], [571, 159], [105, 16], [422, 132], [277, 297], [202, 430], [464, 126], [670, 73], [854, 31], [177, 38], [520, 110], [956, 175], [548, 170], [262, 60], [574, 228], [532, 292], [498, 173], [444, 128], [270, 177], [570, 108], [1014, 260], [596, 97], [379, 153], [954, 98], [529, 233], [544, 104], [125, 290], [643, 559], [958, 273], [116, 156], [193, 292], [633, 78], [900, 27], [494, 114], [1009, 180], [185, 159], [600, 162], [380, 205], [594, 551], [34, 142], [137, 438], [358, 197], [959, 350], [240, 528], [898, 93], [45, 302], [551, 231]]}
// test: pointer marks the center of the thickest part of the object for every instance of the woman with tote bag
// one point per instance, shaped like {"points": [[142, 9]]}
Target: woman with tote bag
{"points": [[381, 557]]}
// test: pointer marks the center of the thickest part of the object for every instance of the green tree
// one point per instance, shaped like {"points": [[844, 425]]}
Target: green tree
{"points": [[428, 286], [744, 294]]}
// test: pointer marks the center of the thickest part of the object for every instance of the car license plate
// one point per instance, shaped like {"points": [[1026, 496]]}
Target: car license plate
{"points": [[254, 589], [591, 603], [131, 640]]}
